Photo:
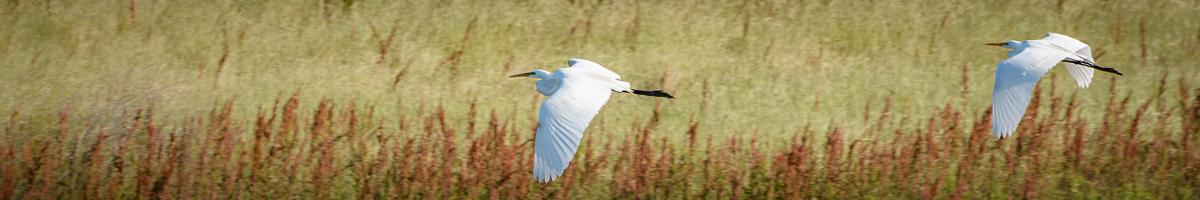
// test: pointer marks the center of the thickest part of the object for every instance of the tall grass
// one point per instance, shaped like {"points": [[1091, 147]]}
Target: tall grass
{"points": [[1137, 150]]}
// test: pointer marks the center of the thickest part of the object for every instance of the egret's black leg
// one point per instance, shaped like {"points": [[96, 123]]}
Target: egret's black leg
{"points": [[1093, 66], [653, 93]]}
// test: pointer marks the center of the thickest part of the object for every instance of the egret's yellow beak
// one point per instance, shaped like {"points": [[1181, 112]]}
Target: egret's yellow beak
{"points": [[999, 44], [526, 74]]}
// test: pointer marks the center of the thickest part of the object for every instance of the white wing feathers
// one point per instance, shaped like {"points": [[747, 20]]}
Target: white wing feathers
{"points": [[561, 121], [587, 66], [1081, 74], [1015, 79]]}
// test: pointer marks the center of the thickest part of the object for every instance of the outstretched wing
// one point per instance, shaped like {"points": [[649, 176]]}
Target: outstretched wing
{"points": [[561, 121], [1015, 79], [1081, 74], [591, 67]]}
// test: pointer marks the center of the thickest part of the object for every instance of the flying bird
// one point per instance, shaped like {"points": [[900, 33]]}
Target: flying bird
{"points": [[575, 95], [1026, 63]]}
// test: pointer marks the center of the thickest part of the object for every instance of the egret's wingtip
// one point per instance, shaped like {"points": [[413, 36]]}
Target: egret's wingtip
{"points": [[1003, 134], [540, 175], [545, 179]]}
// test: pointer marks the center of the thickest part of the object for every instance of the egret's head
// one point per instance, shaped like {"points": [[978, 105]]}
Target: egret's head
{"points": [[533, 74], [1011, 44]]}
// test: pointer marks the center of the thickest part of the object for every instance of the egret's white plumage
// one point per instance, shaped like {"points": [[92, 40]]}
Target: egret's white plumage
{"points": [[1081, 74], [575, 95], [1027, 62]]}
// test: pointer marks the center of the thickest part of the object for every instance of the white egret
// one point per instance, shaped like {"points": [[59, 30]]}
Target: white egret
{"points": [[1026, 63], [575, 95]]}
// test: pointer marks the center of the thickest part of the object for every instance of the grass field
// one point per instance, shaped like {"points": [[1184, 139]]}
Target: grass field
{"points": [[776, 99]]}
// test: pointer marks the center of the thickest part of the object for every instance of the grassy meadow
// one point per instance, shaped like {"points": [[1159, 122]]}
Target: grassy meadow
{"points": [[348, 99]]}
